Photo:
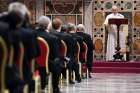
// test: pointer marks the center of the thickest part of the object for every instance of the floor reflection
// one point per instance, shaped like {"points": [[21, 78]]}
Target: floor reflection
{"points": [[106, 83]]}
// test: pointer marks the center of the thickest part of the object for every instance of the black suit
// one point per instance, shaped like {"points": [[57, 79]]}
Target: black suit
{"points": [[80, 40], [68, 40], [4, 35], [4, 27], [54, 61], [13, 81], [71, 50], [87, 39], [31, 48]]}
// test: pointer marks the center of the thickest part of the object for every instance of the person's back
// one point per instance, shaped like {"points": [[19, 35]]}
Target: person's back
{"points": [[4, 27], [54, 60], [14, 81], [88, 40], [71, 44], [52, 41], [79, 39], [3, 34]]}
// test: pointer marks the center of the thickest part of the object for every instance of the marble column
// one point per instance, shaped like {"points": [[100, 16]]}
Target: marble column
{"points": [[88, 16], [39, 8]]}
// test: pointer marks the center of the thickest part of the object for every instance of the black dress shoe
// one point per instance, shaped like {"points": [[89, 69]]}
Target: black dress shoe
{"points": [[79, 80], [56, 90], [71, 82]]}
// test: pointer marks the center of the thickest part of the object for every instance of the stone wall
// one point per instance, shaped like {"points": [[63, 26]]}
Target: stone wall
{"points": [[131, 10], [92, 13]]}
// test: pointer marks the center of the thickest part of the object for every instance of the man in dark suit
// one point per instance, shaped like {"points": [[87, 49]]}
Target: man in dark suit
{"points": [[71, 43], [13, 18], [4, 35], [31, 47], [17, 13], [54, 61], [78, 39], [87, 39], [12, 80], [4, 31]]}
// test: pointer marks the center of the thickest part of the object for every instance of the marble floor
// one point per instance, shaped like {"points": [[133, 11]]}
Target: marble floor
{"points": [[106, 83]]}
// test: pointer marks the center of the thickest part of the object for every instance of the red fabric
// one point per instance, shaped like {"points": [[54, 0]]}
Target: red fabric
{"points": [[43, 55], [83, 54], [36, 73], [116, 67], [62, 50]]}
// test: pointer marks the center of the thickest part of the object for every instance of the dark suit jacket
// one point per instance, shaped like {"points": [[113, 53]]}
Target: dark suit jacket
{"points": [[70, 41], [55, 65], [79, 39], [11, 36], [4, 27], [31, 47], [87, 39], [53, 42]]}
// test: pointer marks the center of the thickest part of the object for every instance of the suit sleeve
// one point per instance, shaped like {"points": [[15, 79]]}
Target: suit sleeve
{"points": [[90, 44]]}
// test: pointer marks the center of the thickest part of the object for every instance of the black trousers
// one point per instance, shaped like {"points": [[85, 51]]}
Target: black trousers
{"points": [[76, 70], [42, 72], [73, 66], [89, 61], [27, 75], [13, 81], [55, 68]]}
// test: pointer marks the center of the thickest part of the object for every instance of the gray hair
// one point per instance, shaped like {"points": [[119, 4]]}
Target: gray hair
{"points": [[81, 27], [71, 27], [18, 7], [44, 21]]}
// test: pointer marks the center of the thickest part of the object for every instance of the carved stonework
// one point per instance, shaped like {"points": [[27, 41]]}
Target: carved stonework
{"points": [[137, 46], [64, 1], [137, 19], [31, 4], [99, 19], [98, 46], [65, 8]]}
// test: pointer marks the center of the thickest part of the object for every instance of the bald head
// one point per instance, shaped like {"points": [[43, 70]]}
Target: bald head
{"points": [[114, 9]]}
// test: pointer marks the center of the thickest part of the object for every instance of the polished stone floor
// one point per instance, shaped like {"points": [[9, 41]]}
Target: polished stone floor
{"points": [[106, 83]]}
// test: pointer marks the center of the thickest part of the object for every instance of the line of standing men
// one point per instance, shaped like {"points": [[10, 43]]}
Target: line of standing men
{"points": [[68, 34], [16, 28]]}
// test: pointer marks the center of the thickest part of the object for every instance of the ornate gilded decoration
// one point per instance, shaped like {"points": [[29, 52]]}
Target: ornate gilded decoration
{"points": [[65, 8], [98, 46], [137, 46], [137, 19], [99, 19]]}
